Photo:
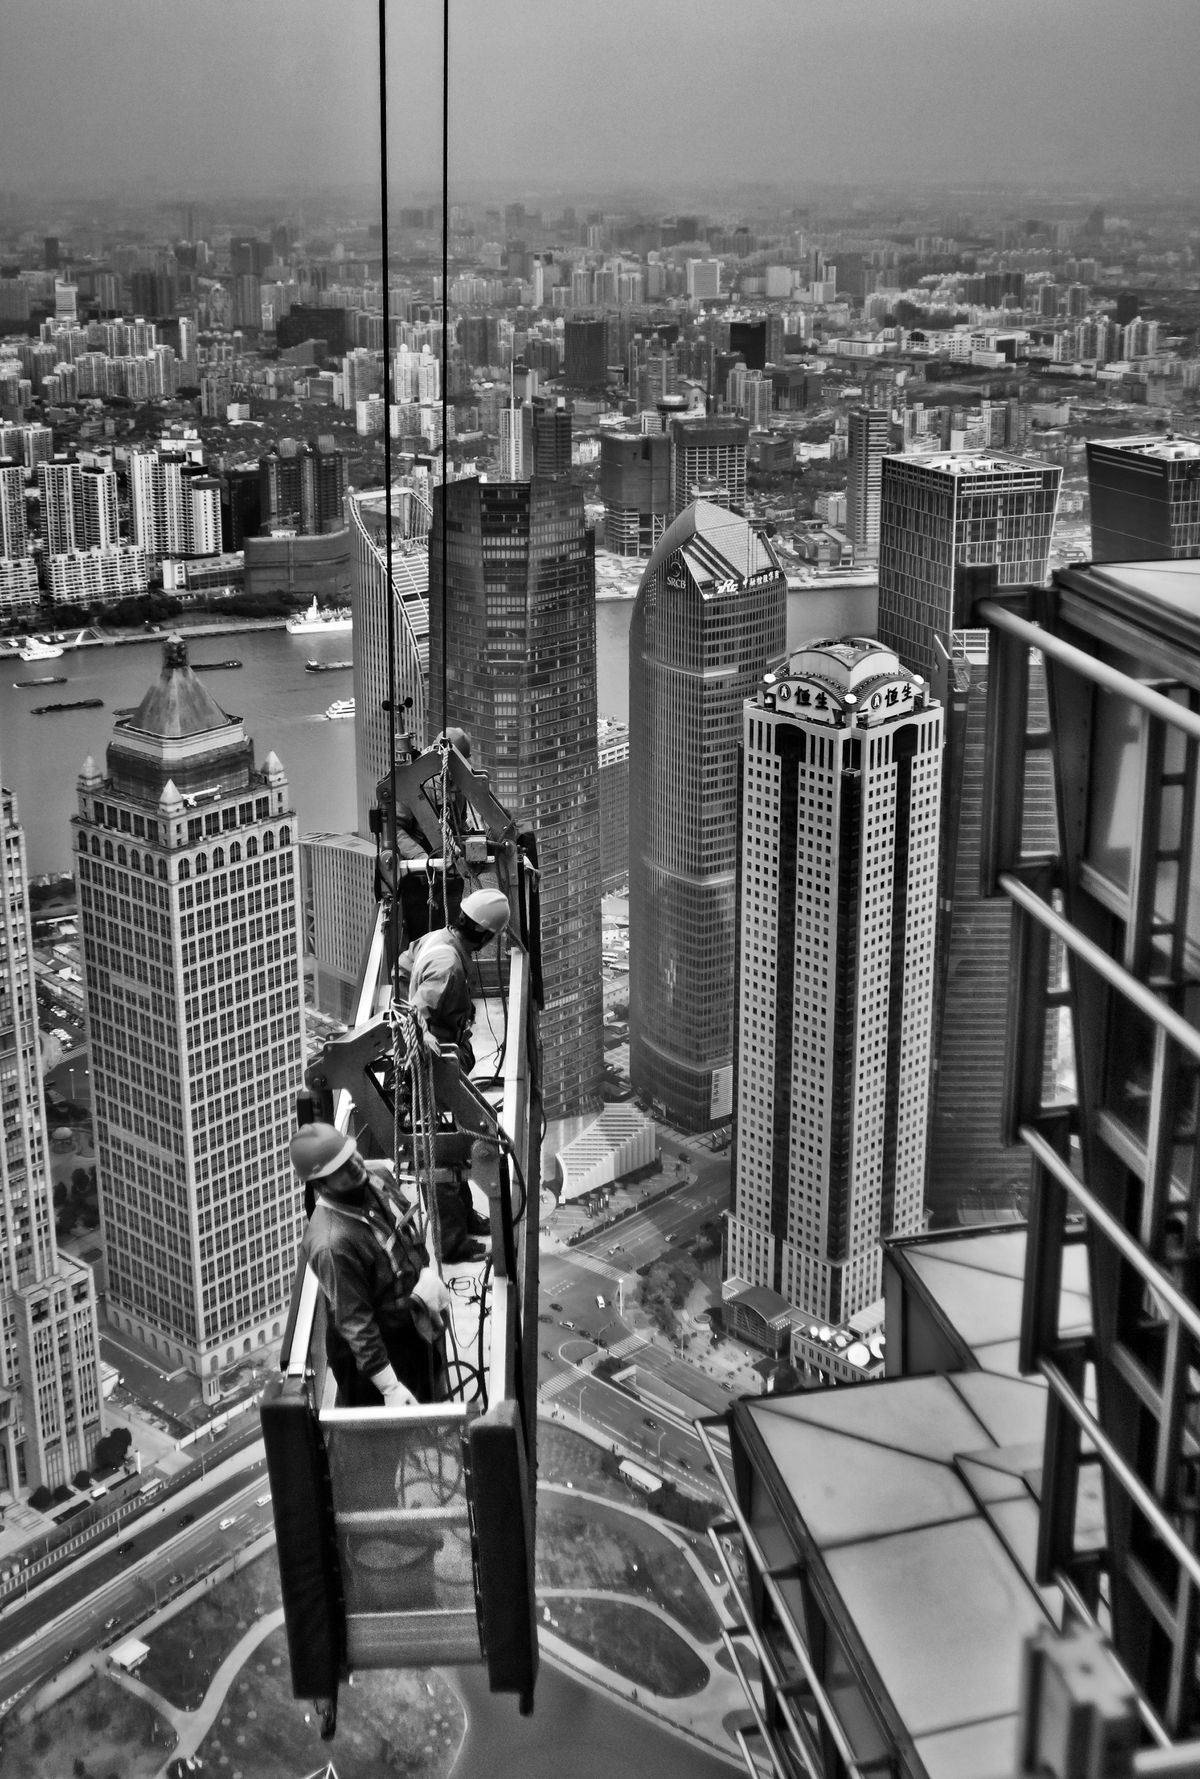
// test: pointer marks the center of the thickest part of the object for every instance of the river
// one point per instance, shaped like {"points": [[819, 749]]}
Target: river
{"points": [[283, 707]]}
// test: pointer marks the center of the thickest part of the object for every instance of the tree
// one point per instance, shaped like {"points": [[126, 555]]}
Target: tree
{"points": [[81, 1182], [82, 1479], [41, 1498]]}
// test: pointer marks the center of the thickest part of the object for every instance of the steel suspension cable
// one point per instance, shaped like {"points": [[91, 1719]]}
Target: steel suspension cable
{"points": [[388, 526], [445, 327]]}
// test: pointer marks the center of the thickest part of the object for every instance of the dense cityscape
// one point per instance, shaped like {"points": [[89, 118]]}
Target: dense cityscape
{"points": [[785, 601]]}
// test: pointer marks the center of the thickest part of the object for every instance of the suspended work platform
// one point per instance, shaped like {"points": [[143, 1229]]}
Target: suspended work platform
{"points": [[406, 1535]]}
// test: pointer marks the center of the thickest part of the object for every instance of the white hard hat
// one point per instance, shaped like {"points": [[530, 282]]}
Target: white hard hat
{"points": [[319, 1150], [488, 908]]}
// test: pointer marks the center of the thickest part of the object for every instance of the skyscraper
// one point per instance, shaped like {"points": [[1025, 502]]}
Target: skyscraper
{"points": [[49, 1364], [869, 445], [518, 599], [98, 489], [950, 510], [189, 907], [176, 507], [840, 809], [942, 515], [585, 352], [61, 497], [14, 531], [708, 462], [635, 486], [1145, 497], [709, 620]]}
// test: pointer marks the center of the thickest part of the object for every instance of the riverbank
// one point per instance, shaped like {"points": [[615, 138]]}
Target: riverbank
{"points": [[10, 647]]}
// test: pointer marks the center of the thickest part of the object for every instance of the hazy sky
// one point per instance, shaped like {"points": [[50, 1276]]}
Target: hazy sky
{"points": [[593, 94]]}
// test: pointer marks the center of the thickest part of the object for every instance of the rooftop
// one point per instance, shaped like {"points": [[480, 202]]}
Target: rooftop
{"points": [[1156, 444], [716, 544]]}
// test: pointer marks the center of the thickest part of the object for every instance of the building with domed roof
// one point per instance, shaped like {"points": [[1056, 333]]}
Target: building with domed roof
{"points": [[837, 907], [189, 928]]}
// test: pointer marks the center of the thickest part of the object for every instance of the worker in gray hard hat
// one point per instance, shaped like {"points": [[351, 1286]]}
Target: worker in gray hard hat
{"points": [[426, 902], [387, 1305]]}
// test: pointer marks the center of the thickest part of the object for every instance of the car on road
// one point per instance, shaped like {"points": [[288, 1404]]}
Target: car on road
{"points": [[543, 1317], [556, 1306], [648, 1421], [225, 1524], [125, 1550], [568, 1324], [109, 1623], [600, 1303], [546, 1353], [173, 1581], [262, 1500], [185, 1519], [70, 1655]]}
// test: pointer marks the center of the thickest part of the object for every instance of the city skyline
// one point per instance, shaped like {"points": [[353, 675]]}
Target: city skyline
{"points": [[1065, 95]]}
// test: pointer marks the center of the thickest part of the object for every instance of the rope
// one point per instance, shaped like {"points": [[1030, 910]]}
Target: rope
{"points": [[409, 1053]]}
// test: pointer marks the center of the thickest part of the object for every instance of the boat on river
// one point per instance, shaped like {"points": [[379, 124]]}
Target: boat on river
{"points": [[327, 666], [37, 648], [41, 679], [340, 709], [45, 710], [212, 666], [317, 622]]}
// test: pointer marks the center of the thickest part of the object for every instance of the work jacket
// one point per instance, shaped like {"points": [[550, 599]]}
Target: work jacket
{"points": [[367, 1259], [437, 966]]}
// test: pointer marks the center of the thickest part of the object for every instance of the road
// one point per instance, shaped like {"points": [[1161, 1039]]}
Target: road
{"points": [[134, 1572]]}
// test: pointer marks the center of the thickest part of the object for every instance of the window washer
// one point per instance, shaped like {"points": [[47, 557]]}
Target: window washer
{"points": [[436, 967], [439, 992], [421, 897], [387, 1305]]}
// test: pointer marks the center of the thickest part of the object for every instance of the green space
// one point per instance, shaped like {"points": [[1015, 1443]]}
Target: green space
{"points": [[187, 1650], [404, 1722], [97, 1732], [599, 1547], [632, 1642], [566, 1456]]}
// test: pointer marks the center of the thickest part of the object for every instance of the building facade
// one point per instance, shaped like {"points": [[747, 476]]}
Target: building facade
{"points": [[101, 515], [709, 620], [869, 445], [60, 493], [517, 596], [944, 517], [50, 1400], [189, 912], [86, 577], [708, 462], [408, 670], [1145, 497], [14, 530], [635, 486], [837, 913], [337, 893], [613, 759]]}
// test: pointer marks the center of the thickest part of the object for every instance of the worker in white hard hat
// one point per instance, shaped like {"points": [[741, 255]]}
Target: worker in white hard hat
{"points": [[387, 1305], [436, 967]]}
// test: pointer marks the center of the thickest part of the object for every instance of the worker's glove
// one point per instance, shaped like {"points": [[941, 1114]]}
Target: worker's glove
{"points": [[430, 1303], [394, 1393]]}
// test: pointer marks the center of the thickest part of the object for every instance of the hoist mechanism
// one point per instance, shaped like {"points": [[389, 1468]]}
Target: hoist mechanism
{"points": [[405, 1536]]}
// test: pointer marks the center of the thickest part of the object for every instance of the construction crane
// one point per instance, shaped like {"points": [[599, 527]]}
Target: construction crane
{"points": [[405, 1536]]}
